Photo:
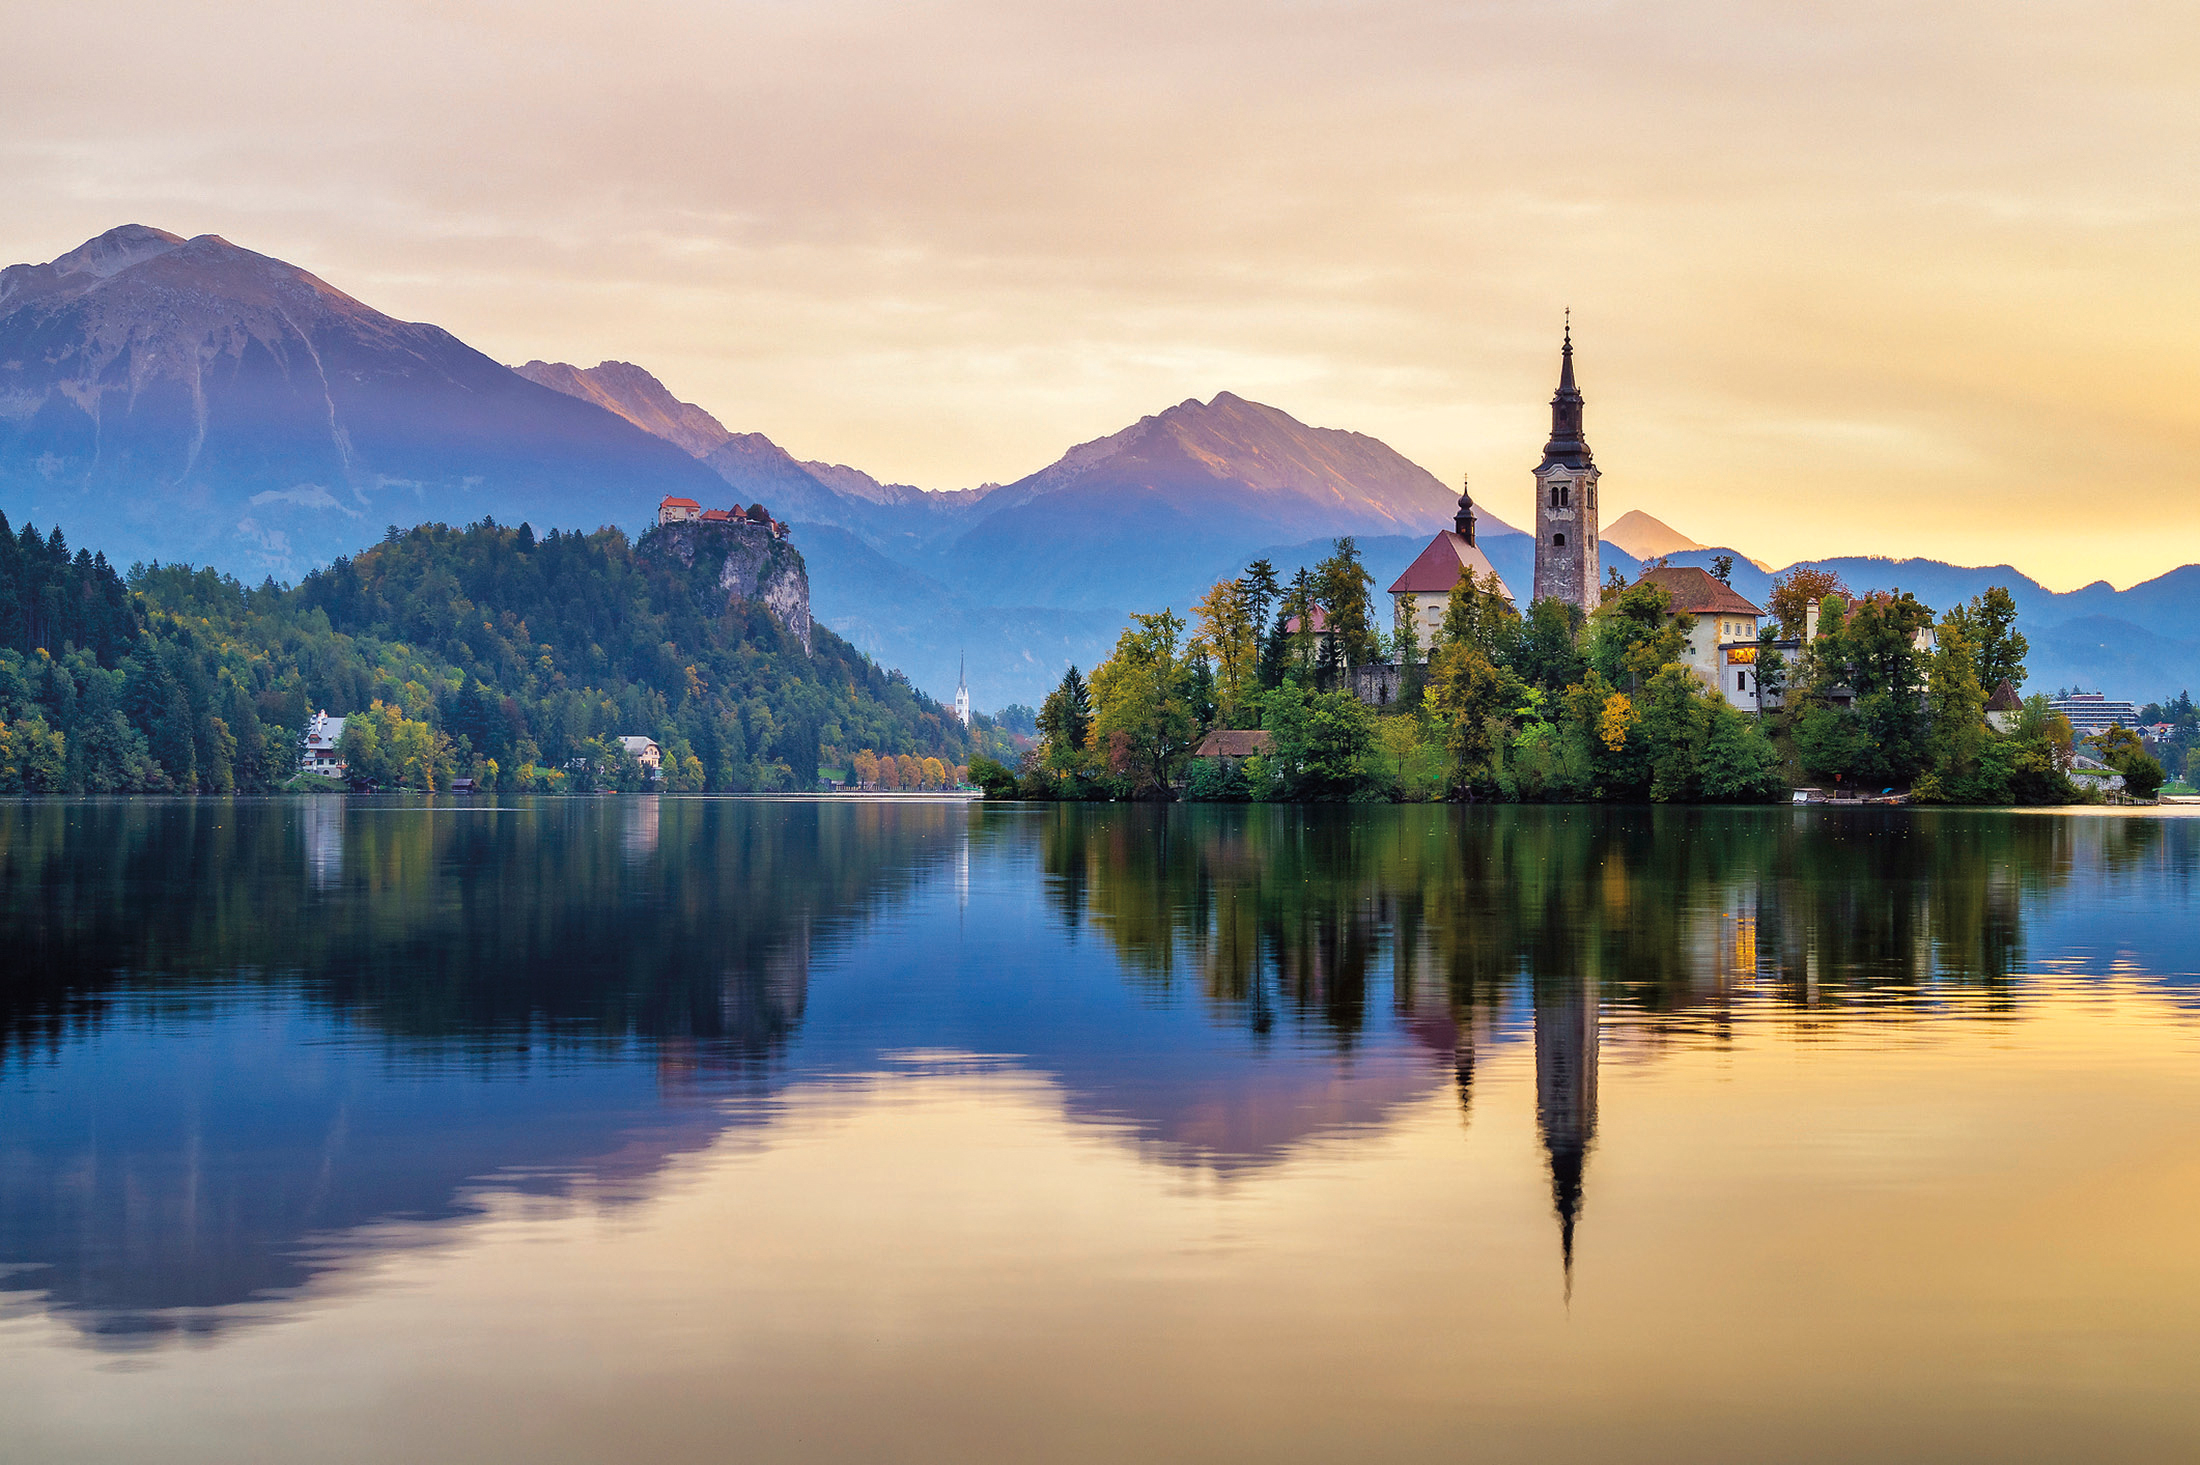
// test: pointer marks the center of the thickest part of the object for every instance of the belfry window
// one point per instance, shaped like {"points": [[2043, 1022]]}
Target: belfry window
{"points": [[1561, 495]]}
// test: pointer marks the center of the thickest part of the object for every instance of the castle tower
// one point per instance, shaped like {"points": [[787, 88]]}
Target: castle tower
{"points": [[1566, 499]]}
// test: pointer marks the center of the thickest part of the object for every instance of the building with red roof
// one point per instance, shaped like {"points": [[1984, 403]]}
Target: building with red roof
{"points": [[678, 510], [1425, 588], [1722, 629]]}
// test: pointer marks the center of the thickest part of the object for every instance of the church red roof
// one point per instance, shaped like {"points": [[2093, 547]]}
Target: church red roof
{"points": [[1438, 567], [1698, 592]]}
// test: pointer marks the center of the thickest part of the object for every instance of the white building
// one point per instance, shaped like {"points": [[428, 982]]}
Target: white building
{"points": [[1722, 630], [2092, 712], [962, 694], [645, 752], [1424, 590], [323, 733], [678, 510]]}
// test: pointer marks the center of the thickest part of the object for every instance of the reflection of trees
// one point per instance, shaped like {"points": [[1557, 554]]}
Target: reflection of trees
{"points": [[1668, 914], [171, 1183], [1270, 908], [452, 924]]}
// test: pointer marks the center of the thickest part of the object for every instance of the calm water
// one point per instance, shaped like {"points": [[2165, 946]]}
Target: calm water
{"points": [[713, 1129]]}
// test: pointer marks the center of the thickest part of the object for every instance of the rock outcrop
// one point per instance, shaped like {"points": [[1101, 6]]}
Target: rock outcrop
{"points": [[743, 561]]}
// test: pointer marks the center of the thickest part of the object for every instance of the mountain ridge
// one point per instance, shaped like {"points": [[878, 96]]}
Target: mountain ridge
{"points": [[199, 400]]}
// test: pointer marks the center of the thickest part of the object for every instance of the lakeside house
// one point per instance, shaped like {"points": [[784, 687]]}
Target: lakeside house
{"points": [[1232, 746], [2004, 707], [323, 734], [646, 752], [1722, 631]]}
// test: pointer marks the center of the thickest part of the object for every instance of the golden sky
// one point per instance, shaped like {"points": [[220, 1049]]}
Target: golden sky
{"points": [[1863, 277]]}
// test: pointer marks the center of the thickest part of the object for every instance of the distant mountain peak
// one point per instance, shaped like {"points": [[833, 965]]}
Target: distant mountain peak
{"points": [[1646, 538], [636, 395]]}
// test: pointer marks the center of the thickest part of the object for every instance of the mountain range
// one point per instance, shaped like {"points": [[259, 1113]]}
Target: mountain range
{"points": [[187, 399]]}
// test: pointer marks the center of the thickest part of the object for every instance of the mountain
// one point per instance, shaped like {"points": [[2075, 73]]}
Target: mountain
{"points": [[624, 388], [1153, 508], [1646, 538], [195, 400]]}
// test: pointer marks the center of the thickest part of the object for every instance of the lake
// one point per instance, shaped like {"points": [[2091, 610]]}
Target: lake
{"points": [[774, 1129]]}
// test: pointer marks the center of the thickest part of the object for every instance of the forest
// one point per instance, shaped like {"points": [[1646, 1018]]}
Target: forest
{"points": [[1552, 705], [481, 652]]}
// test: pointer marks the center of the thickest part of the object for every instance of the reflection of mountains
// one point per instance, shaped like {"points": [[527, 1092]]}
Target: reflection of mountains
{"points": [[366, 1009]]}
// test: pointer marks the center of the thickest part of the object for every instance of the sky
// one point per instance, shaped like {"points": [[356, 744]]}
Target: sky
{"points": [[1861, 277]]}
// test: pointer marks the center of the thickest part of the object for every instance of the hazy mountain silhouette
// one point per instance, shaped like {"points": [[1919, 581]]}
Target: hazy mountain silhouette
{"points": [[188, 399], [185, 399]]}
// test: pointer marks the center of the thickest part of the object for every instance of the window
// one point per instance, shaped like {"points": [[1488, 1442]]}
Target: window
{"points": [[1561, 494], [1558, 541], [1741, 681]]}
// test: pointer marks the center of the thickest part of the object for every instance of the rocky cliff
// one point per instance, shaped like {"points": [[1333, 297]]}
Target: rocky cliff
{"points": [[744, 561]]}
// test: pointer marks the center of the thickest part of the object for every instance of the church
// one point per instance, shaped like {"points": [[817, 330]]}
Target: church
{"points": [[1565, 525]]}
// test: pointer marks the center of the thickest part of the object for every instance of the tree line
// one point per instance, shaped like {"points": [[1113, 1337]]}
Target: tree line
{"points": [[483, 652], [1871, 692]]}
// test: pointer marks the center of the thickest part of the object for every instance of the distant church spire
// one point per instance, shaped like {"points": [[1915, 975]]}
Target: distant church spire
{"points": [[962, 692], [1462, 522], [1567, 445]]}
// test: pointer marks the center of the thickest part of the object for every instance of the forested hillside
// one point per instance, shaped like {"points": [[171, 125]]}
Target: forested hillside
{"points": [[482, 652]]}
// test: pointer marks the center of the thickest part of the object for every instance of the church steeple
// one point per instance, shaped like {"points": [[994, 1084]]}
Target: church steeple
{"points": [[1567, 445], [1462, 522], [1566, 497]]}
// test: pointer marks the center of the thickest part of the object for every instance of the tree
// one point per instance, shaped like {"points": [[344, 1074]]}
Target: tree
{"points": [[1141, 709], [1956, 708], [1400, 738], [1262, 592], [1291, 643], [1065, 720], [1322, 741], [2126, 752], [1471, 697], [1722, 568], [1550, 652], [1343, 585], [1793, 592], [1634, 633], [1478, 614], [1998, 647], [1229, 635], [1871, 648], [1738, 764]]}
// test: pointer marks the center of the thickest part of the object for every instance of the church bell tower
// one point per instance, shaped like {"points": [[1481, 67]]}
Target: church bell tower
{"points": [[1566, 499]]}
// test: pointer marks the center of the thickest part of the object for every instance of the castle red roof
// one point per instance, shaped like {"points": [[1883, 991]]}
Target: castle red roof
{"points": [[715, 516], [1439, 567], [1698, 592], [678, 503]]}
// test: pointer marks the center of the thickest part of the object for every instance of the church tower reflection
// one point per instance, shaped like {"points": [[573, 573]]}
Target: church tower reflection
{"points": [[1566, 1093]]}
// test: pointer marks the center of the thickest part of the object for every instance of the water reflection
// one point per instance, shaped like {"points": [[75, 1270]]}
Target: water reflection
{"points": [[241, 1041]]}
